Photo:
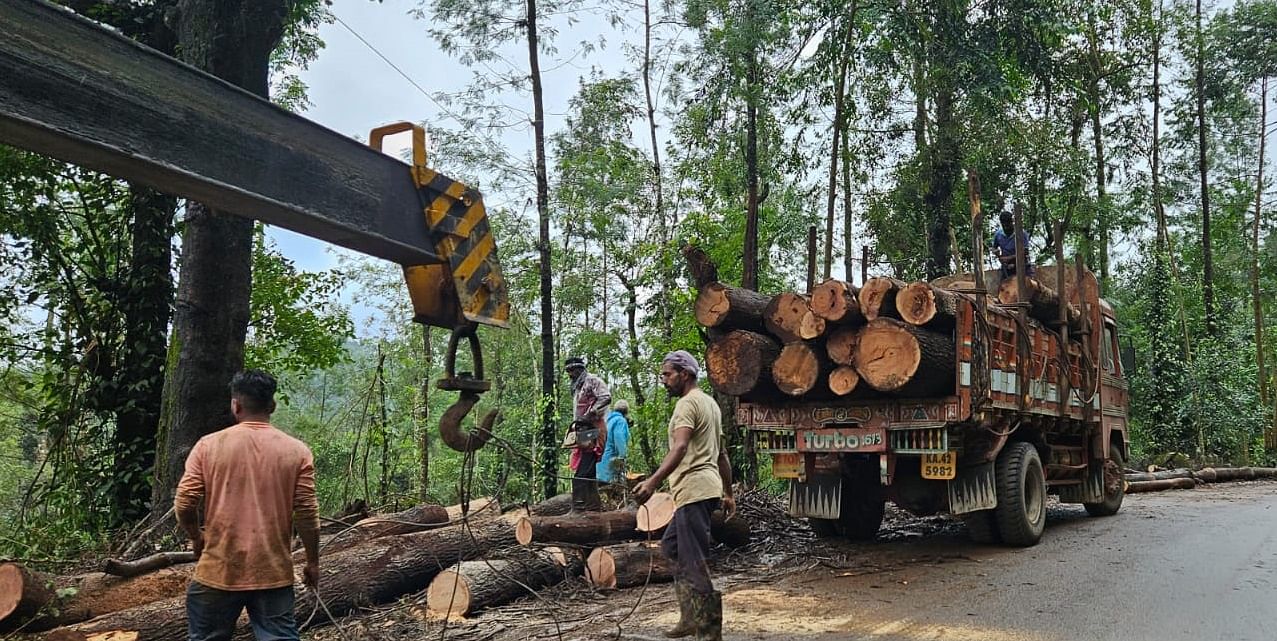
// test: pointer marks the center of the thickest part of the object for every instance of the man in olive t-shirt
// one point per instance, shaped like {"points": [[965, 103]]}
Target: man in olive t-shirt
{"points": [[701, 480]]}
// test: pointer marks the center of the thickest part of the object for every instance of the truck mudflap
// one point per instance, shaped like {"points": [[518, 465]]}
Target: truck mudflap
{"points": [[1090, 490], [819, 497], [973, 489]]}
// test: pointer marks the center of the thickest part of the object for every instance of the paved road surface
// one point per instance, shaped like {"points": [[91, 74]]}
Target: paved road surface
{"points": [[1194, 565]]}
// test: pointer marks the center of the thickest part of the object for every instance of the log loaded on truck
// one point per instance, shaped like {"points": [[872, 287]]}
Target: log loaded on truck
{"points": [[944, 396]]}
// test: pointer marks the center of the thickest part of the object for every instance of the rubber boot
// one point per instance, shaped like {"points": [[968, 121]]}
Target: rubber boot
{"points": [[709, 622], [686, 626]]}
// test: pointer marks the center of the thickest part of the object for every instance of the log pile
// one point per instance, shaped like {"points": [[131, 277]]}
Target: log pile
{"points": [[1186, 479], [887, 338], [463, 565]]}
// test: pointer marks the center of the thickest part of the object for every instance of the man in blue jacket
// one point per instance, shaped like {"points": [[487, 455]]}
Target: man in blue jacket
{"points": [[611, 466]]}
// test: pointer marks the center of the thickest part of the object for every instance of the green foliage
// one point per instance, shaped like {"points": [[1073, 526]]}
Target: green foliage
{"points": [[296, 323]]}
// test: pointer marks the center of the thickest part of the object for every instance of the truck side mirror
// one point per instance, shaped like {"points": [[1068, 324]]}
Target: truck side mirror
{"points": [[1127, 354]]}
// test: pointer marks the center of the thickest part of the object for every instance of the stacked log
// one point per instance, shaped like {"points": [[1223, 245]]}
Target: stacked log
{"points": [[740, 364], [627, 565], [1044, 302], [470, 586], [784, 315], [925, 305], [725, 308], [878, 297], [836, 302], [802, 369], [893, 356]]}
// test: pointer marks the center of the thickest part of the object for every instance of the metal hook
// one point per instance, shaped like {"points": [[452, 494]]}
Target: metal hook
{"points": [[471, 385]]}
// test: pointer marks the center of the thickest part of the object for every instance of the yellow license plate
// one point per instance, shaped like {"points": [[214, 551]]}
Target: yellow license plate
{"points": [[940, 466]]}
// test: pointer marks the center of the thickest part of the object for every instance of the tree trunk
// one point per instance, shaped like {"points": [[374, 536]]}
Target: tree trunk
{"points": [[836, 301], [1164, 475], [1256, 301], [470, 586], [749, 277], [423, 438], [584, 528], [740, 364], [23, 593], [549, 431], [839, 92], [896, 357], [631, 328], [147, 310], [557, 505], [841, 345], [878, 297], [922, 304], [725, 308], [666, 268], [801, 369], [1097, 133], [943, 154], [627, 565], [233, 40], [414, 519], [1208, 263], [783, 316]]}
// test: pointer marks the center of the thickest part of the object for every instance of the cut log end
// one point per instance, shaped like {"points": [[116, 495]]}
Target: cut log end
{"points": [[916, 304], [448, 594], [600, 569], [797, 369], [842, 344], [712, 305], [12, 585], [843, 381], [784, 316], [523, 531], [812, 326], [878, 297], [656, 513], [835, 301], [740, 363], [887, 355]]}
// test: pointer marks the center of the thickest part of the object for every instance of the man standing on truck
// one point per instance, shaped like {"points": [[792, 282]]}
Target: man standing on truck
{"points": [[256, 484], [590, 400], [701, 479], [1004, 241]]}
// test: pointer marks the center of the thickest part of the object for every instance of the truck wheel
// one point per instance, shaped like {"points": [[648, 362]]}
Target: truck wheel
{"points": [[1114, 486], [863, 499], [1021, 487], [823, 528], [982, 526]]}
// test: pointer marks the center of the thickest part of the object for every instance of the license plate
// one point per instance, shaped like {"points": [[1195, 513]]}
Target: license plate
{"points": [[940, 466], [787, 466], [843, 439]]}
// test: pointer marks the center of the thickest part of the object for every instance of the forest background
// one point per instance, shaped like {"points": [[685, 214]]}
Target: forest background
{"points": [[732, 125]]}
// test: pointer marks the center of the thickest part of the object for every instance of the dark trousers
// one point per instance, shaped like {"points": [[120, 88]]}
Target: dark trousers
{"points": [[687, 542], [585, 485], [211, 613]]}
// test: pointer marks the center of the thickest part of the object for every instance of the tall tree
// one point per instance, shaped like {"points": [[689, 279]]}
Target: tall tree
{"points": [[233, 40], [1199, 95]]}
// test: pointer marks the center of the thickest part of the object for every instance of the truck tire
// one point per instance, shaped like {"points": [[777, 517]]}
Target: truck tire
{"points": [[1021, 487], [824, 528], [863, 499], [982, 526], [1114, 491]]}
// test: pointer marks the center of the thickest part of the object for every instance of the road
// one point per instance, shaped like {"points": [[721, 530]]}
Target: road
{"points": [[1190, 565]]}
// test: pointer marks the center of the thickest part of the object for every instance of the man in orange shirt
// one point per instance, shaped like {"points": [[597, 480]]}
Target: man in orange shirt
{"points": [[256, 484]]}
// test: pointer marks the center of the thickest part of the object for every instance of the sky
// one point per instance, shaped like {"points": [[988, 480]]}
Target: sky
{"points": [[352, 89]]}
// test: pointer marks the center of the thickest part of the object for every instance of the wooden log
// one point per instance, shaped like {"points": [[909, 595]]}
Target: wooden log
{"points": [[556, 505], [1205, 475], [356, 510], [413, 519], [627, 565], [86, 596], [841, 345], [144, 565], [589, 528], [379, 571], [485, 506], [893, 356], [812, 327], [656, 513], [1157, 486], [923, 305], [836, 301], [1161, 476], [24, 593], [733, 533], [1044, 302], [740, 364], [470, 586], [724, 307], [878, 297], [843, 380], [783, 317], [802, 369]]}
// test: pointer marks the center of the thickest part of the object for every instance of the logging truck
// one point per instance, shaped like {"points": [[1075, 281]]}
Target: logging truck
{"points": [[945, 396]]}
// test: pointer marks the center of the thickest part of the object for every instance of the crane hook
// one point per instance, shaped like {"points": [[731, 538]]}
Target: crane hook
{"points": [[471, 385]]}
